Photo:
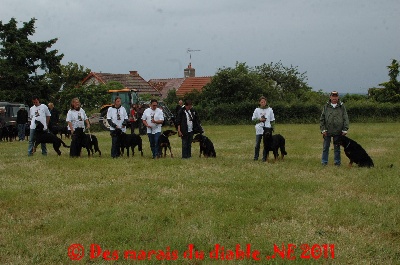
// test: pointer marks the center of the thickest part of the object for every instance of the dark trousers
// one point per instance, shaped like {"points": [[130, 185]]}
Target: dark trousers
{"points": [[77, 142], [187, 139], [115, 145]]}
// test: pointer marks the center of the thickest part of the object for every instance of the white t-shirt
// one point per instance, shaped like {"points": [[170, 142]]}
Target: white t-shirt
{"points": [[158, 115], [117, 116], [77, 118], [268, 114], [39, 113]]}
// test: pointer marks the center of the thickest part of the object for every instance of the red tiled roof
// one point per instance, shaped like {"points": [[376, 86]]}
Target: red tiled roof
{"points": [[131, 81], [192, 83], [165, 85]]}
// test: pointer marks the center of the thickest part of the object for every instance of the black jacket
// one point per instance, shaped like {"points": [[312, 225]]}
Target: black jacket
{"points": [[22, 116], [181, 119]]}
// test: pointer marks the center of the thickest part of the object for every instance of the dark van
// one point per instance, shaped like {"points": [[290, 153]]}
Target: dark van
{"points": [[8, 111]]}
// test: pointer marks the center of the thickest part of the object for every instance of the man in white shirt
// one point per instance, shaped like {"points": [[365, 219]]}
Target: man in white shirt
{"points": [[117, 117], [38, 112], [153, 119]]}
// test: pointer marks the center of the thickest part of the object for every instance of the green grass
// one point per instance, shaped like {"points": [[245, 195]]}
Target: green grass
{"points": [[49, 203]]}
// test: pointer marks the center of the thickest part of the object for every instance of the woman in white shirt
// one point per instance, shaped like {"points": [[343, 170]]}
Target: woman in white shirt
{"points": [[263, 116], [153, 119], [117, 117]]}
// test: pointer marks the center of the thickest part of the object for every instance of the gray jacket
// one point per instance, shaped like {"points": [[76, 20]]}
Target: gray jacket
{"points": [[334, 121]]}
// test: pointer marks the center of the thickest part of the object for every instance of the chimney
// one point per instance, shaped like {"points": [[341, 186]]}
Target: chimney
{"points": [[189, 71], [134, 73]]}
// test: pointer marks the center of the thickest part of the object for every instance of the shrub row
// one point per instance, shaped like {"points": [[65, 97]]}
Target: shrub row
{"points": [[241, 113]]}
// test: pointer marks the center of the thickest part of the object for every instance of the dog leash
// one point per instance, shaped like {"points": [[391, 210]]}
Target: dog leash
{"points": [[90, 135]]}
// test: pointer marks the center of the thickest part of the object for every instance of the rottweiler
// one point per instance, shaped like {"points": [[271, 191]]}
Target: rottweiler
{"points": [[206, 146], [163, 143], [355, 152], [42, 136], [273, 143], [130, 141], [91, 144]]}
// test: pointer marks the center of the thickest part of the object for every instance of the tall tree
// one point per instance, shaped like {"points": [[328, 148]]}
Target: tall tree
{"points": [[391, 89], [288, 80], [24, 63]]}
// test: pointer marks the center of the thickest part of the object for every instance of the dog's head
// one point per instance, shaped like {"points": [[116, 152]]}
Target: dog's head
{"points": [[198, 138], [168, 133], [267, 132], [343, 141], [39, 126]]}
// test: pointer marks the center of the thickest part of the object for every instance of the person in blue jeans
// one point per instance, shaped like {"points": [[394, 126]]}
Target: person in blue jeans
{"points": [[153, 118], [38, 112], [264, 117], [334, 122]]}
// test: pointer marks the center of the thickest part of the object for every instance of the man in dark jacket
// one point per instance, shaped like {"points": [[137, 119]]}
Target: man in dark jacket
{"points": [[186, 121], [22, 120], [334, 122]]}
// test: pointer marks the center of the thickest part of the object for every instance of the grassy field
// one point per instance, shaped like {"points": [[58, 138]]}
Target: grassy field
{"points": [[142, 211]]}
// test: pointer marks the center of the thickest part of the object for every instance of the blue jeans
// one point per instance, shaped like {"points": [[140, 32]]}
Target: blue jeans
{"points": [[32, 141], [21, 131], [153, 139], [259, 137], [187, 139], [336, 149]]}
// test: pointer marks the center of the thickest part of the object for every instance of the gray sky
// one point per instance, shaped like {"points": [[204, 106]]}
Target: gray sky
{"points": [[343, 45]]}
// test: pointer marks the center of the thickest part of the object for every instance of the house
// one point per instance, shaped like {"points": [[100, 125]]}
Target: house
{"points": [[131, 81], [182, 85]]}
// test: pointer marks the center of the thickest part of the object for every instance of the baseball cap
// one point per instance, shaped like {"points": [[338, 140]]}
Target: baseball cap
{"points": [[334, 93]]}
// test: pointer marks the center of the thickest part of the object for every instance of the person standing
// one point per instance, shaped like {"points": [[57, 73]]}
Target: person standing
{"points": [[76, 118], [186, 120], [153, 118], [263, 116], [38, 112], [117, 118], [334, 122], [22, 120], [55, 117]]}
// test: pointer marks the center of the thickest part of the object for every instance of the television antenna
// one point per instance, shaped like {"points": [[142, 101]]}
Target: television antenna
{"points": [[190, 54]]}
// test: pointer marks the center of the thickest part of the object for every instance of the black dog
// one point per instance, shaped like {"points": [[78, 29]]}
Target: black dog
{"points": [[42, 137], [273, 143], [355, 152], [206, 146], [130, 141], [91, 144], [163, 143]]}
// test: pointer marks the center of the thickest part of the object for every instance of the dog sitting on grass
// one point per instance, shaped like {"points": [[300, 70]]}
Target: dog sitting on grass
{"points": [[163, 143], [355, 152], [273, 143], [42, 136], [206, 146]]}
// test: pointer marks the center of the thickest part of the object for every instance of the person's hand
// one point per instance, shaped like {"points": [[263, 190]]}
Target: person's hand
{"points": [[324, 134]]}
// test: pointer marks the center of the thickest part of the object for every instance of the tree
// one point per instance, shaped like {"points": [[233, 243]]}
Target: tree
{"points": [[232, 85], [391, 89], [288, 80], [24, 63]]}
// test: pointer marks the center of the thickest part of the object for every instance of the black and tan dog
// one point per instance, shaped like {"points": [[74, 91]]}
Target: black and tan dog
{"points": [[42, 137], [206, 146], [130, 141], [91, 144], [355, 152], [273, 143], [163, 143]]}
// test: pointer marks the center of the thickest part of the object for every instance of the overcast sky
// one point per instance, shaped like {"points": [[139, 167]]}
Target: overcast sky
{"points": [[343, 45]]}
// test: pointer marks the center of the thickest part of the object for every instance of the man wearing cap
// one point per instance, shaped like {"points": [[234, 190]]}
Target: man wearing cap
{"points": [[334, 122], [22, 120]]}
